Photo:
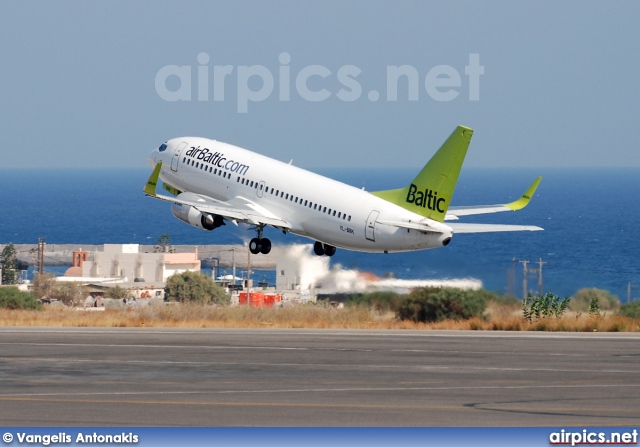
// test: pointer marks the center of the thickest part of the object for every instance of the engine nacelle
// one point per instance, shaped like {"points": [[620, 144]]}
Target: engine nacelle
{"points": [[192, 216]]}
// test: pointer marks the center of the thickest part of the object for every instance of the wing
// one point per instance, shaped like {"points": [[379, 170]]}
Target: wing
{"points": [[240, 210], [454, 212]]}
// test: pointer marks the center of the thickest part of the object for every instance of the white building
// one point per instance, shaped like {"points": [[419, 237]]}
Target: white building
{"points": [[125, 261]]}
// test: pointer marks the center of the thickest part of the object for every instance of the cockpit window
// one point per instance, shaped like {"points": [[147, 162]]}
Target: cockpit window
{"points": [[163, 147]]}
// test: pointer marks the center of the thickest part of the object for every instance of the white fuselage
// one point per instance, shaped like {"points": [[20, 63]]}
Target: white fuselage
{"points": [[315, 206]]}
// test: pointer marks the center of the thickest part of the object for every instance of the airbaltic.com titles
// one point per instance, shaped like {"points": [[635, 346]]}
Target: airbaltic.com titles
{"points": [[216, 159], [80, 438]]}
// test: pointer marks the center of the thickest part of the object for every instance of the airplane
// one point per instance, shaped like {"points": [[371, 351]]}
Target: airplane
{"points": [[211, 183]]}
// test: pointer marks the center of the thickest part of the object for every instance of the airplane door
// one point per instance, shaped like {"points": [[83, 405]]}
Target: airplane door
{"points": [[260, 189], [369, 231], [176, 156]]}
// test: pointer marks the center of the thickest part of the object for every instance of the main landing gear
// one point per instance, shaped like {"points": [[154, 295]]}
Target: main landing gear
{"points": [[259, 244], [323, 249]]}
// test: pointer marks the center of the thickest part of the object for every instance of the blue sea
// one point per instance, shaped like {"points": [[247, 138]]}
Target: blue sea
{"points": [[590, 216]]}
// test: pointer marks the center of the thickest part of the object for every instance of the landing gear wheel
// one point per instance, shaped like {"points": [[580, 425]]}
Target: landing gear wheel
{"points": [[265, 246], [318, 249], [329, 250], [255, 246]]}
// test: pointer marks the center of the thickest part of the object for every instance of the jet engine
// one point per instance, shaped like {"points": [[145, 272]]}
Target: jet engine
{"points": [[192, 216]]}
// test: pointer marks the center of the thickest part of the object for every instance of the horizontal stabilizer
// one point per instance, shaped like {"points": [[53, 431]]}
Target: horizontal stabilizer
{"points": [[459, 228], [455, 212], [409, 225]]}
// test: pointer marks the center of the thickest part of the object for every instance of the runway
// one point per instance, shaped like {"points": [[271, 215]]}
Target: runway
{"points": [[204, 377]]}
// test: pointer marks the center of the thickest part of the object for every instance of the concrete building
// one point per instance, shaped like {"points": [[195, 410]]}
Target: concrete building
{"points": [[125, 261]]}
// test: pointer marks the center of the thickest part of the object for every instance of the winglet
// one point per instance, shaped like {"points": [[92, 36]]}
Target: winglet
{"points": [[526, 197], [150, 187]]}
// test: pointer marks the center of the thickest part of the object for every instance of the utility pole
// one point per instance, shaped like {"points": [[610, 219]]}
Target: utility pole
{"points": [[511, 278], [233, 253], [41, 245], [540, 262], [248, 277], [524, 279]]}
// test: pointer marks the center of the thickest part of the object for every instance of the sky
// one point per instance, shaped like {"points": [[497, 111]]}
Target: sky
{"points": [[325, 83]]}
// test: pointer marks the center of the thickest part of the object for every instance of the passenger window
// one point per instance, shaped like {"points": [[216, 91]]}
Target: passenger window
{"points": [[334, 212], [349, 218], [339, 215]]}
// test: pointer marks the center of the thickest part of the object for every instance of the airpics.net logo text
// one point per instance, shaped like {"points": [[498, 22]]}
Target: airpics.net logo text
{"points": [[256, 83]]}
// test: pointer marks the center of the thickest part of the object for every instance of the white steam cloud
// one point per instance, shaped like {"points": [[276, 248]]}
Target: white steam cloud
{"points": [[304, 271]]}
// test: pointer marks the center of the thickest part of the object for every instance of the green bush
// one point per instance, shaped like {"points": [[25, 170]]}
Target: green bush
{"points": [[377, 300], [631, 310], [12, 298], [583, 299], [194, 286], [543, 306], [431, 304]]}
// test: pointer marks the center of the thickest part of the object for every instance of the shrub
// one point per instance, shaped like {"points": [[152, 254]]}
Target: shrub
{"points": [[376, 300], [583, 299], [431, 304], [542, 306], [12, 298], [194, 286], [631, 310]]}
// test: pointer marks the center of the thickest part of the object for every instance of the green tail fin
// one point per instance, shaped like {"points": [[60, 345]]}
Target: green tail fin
{"points": [[429, 194]]}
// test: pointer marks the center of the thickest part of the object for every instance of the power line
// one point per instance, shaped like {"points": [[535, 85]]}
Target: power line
{"points": [[527, 271]]}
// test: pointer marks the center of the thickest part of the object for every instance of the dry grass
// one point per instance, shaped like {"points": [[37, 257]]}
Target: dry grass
{"points": [[314, 317]]}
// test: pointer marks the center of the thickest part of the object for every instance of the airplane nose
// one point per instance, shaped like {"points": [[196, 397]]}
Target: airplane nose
{"points": [[157, 155], [152, 158]]}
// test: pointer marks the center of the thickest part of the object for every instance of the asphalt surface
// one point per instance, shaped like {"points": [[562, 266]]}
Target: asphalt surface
{"points": [[165, 377]]}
